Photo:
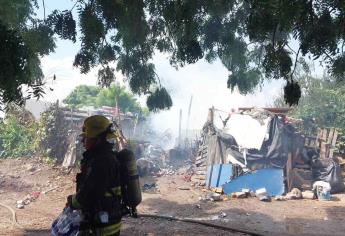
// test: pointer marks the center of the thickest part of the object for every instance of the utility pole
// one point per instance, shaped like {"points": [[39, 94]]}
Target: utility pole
{"points": [[179, 130], [188, 117]]}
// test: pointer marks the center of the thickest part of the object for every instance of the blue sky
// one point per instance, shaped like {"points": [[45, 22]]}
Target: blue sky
{"points": [[206, 82]]}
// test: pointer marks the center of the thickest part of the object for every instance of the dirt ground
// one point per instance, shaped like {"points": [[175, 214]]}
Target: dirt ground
{"points": [[295, 217]]}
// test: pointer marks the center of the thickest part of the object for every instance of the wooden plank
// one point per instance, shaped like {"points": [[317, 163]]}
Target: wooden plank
{"points": [[323, 150], [200, 172], [330, 135], [318, 137], [335, 137], [201, 177], [324, 135], [201, 168], [288, 171], [201, 163]]}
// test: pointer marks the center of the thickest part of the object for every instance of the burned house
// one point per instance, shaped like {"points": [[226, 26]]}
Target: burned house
{"points": [[261, 148]]}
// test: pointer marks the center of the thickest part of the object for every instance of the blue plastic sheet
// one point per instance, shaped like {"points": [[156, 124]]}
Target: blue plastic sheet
{"points": [[217, 175], [271, 178]]}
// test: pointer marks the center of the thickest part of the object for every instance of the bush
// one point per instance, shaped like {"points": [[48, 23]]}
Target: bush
{"points": [[17, 139]]}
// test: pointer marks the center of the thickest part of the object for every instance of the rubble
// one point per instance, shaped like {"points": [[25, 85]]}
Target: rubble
{"points": [[262, 195], [211, 197], [239, 195], [20, 204], [308, 195], [147, 187], [222, 214], [294, 194], [183, 188]]}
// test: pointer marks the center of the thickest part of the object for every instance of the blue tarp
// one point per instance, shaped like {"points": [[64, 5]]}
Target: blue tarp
{"points": [[217, 175], [271, 178]]}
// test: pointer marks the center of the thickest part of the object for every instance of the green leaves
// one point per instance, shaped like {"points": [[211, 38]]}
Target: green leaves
{"points": [[14, 57], [63, 24], [292, 93], [245, 81], [277, 63], [106, 76], [322, 104], [159, 100], [250, 37], [115, 94]]}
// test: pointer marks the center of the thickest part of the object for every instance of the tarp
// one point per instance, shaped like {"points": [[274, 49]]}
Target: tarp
{"points": [[329, 171], [248, 132], [271, 178], [217, 175], [274, 151]]}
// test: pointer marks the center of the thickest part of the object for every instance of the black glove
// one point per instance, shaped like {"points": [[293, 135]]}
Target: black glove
{"points": [[69, 201]]}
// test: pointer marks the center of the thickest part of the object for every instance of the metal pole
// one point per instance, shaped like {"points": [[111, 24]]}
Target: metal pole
{"points": [[179, 129]]}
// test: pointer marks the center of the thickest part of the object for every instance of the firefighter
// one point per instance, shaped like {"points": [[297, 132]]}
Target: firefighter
{"points": [[98, 193]]}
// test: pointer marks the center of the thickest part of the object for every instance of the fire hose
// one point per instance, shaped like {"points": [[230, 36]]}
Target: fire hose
{"points": [[190, 220], [187, 220], [14, 216]]}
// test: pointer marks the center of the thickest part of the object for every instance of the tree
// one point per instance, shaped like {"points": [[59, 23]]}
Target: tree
{"points": [[82, 95], [252, 38], [95, 96], [322, 104], [23, 41]]}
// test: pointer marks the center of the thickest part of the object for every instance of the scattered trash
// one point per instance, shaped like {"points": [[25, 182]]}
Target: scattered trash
{"points": [[294, 194], [308, 194], [184, 188], [246, 190], [222, 214], [49, 190], [326, 218], [34, 195], [198, 206], [280, 198], [211, 197], [323, 190], [262, 195], [20, 204], [217, 190], [239, 195], [216, 196], [149, 186], [187, 177]]}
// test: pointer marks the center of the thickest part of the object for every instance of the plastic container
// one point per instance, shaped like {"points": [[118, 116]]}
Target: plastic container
{"points": [[324, 195]]}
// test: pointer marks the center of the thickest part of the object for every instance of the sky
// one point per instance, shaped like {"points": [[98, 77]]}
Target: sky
{"points": [[205, 82]]}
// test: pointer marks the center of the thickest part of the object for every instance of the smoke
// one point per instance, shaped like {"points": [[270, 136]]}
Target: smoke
{"points": [[207, 83]]}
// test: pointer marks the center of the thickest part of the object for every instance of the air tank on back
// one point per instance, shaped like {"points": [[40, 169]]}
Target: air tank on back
{"points": [[130, 186]]}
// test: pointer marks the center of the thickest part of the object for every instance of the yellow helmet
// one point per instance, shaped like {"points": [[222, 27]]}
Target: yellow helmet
{"points": [[95, 125]]}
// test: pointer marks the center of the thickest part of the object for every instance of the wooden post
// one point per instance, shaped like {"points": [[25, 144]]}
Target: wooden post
{"points": [[179, 129], [210, 117], [188, 117]]}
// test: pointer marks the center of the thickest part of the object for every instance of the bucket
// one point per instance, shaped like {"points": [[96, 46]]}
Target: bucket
{"points": [[323, 190], [324, 195]]}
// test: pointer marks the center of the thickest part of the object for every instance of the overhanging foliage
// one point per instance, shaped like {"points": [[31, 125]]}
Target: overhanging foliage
{"points": [[251, 37]]}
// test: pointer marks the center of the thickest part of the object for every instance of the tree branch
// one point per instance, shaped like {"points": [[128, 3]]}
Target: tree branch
{"points": [[293, 71], [291, 48], [74, 5], [328, 56]]}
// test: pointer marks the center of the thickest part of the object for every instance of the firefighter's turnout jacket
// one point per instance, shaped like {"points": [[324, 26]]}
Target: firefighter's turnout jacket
{"points": [[98, 191]]}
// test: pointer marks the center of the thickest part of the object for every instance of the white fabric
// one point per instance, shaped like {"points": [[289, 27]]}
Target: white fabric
{"points": [[233, 160], [247, 131], [325, 186]]}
